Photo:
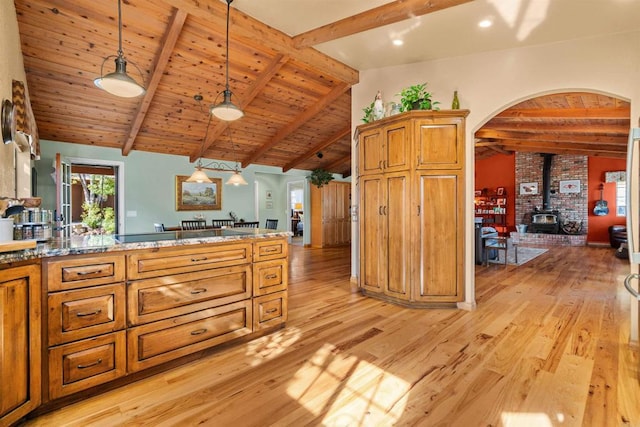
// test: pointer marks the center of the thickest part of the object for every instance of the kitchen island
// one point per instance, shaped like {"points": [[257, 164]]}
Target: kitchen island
{"points": [[111, 307]]}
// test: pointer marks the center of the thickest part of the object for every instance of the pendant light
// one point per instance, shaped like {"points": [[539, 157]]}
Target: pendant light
{"points": [[226, 110], [119, 83]]}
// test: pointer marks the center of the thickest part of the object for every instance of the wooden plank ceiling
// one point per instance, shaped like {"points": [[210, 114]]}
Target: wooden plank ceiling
{"points": [[297, 101], [563, 123]]}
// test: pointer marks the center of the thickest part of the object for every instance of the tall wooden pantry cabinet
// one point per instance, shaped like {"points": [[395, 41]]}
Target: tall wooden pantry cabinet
{"points": [[411, 207], [331, 214]]}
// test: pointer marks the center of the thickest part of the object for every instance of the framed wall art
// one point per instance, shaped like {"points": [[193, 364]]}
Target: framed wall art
{"points": [[570, 186], [198, 196], [528, 188]]}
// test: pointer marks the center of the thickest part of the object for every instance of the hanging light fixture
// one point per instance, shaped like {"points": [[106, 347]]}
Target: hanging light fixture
{"points": [[226, 110], [199, 174], [119, 83]]}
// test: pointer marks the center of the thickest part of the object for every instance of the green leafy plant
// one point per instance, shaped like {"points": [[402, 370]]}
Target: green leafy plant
{"points": [[416, 97], [368, 114], [320, 177]]}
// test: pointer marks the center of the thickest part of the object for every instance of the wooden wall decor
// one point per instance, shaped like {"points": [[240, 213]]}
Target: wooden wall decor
{"points": [[25, 121]]}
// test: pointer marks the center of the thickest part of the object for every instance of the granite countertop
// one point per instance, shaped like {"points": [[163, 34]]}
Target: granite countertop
{"points": [[76, 245]]}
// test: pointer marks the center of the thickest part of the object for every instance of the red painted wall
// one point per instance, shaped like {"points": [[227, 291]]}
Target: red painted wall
{"points": [[599, 225], [499, 171]]}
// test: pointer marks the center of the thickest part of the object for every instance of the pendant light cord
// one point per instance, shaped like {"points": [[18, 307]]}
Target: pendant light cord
{"points": [[120, 52], [228, 13]]}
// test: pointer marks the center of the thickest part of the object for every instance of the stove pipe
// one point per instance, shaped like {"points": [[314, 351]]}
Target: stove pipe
{"points": [[546, 181]]}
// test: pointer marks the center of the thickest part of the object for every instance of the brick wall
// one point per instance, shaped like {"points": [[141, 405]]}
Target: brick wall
{"points": [[563, 167]]}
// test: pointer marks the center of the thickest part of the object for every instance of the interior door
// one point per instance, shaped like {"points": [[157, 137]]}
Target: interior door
{"points": [[63, 197]]}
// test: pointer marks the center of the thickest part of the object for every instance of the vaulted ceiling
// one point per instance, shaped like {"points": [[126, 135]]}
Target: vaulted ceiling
{"points": [[295, 95]]}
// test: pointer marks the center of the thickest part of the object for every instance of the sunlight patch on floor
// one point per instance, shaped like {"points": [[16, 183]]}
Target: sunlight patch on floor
{"points": [[526, 419], [272, 345], [349, 391]]}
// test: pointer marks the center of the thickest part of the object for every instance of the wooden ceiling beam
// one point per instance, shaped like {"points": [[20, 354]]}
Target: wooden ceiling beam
{"points": [[298, 121], [389, 13], [567, 113], [254, 90], [566, 150], [560, 128], [320, 146], [168, 43], [557, 137], [544, 145], [245, 27]]}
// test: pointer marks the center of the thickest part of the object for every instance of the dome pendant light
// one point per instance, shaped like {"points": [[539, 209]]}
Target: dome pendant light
{"points": [[226, 110], [119, 83]]}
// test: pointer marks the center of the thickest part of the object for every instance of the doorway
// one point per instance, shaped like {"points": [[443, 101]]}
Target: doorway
{"points": [[90, 195], [295, 213]]}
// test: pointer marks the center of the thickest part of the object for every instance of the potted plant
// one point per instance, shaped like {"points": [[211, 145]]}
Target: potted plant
{"points": [[416, 97], [320, 177], [368, 114]]}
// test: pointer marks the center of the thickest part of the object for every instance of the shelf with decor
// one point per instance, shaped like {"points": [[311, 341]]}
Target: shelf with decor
{"points": [[491, 207]]}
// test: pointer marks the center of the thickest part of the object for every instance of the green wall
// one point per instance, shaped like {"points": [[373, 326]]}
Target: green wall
{"points": [[149, 186]]}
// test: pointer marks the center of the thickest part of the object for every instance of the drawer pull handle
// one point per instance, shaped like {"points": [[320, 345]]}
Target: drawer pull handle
{"points": [[97, 362], [198, 331], [271, 310], [271, 276], [271, 249], [198, 291], [198, 259], [89, 313], [86, 273]]}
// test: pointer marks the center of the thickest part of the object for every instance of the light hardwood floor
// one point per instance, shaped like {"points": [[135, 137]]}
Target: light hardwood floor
{"points": [[547, 346]]}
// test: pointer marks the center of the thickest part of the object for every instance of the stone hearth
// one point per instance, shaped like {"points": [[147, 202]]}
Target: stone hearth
{"points": [[542, 239]]}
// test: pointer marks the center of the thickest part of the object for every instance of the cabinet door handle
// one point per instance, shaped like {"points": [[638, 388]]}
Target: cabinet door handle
{"points": [[198, 259], [380, 164], [379, 210], [97, 362], [198, 291], [271, 310], [85, 273], [89, 313], [385, 210], [270, 276], [199, 331]]}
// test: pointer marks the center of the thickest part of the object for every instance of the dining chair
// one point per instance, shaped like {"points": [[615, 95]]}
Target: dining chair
{"points": [[219, 223], [500, 243], [246, 224], [194, 224], [158, 227], [272, 224]]}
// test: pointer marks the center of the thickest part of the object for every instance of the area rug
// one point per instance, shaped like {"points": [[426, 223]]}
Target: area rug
{"points": [[525, 255]]}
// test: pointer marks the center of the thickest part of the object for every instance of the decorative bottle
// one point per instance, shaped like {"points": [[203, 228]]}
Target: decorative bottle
{"points": [[455, 104]]}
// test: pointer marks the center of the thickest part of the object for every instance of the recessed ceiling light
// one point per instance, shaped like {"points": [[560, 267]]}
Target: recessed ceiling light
{"points": [[485, 23], [398, 42]]}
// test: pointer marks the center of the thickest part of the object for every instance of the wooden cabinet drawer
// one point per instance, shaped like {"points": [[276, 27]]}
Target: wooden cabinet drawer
{"points": [[269, 310], [83, 313], [270, 249], [166, 261], [170, 296], [165, 340], [83, 271], [269, 277], [84, 364]]}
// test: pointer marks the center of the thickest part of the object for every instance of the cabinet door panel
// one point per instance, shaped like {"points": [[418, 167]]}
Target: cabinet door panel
{"points": [[371, 154], [439, 144], [440, 243], [398, 217], [372, 224], [20, 342], [397, 148]]}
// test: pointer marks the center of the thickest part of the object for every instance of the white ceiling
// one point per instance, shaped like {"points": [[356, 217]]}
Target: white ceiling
{"points": [[450, 32]]}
